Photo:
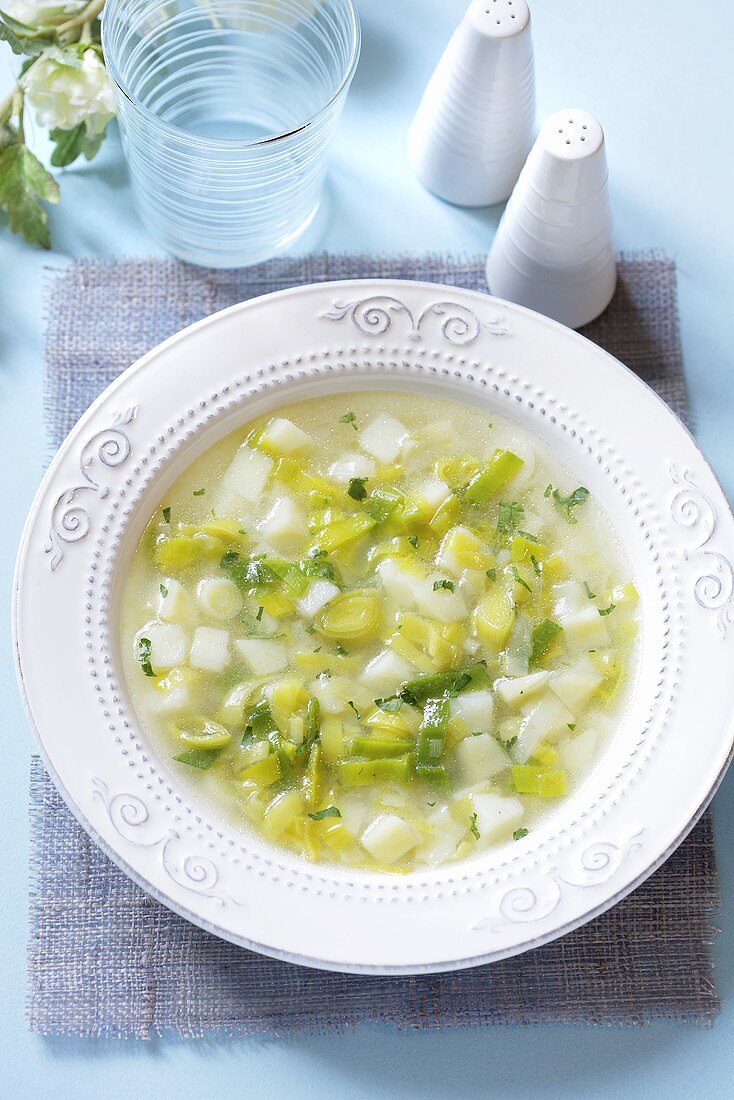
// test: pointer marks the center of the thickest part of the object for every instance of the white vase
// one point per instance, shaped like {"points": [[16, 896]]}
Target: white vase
{"points": [[476, 122], [554, 248]]}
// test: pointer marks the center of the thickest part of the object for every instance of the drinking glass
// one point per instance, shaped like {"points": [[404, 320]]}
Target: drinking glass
{"points": [[226, 110]]}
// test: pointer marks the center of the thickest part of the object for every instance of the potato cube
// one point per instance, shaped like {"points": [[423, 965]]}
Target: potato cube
{"points": [[497, 816], [285, 437], [384, 438], [262, 655], [168, 644], [388, 838], [209, 649], [480, 757]]}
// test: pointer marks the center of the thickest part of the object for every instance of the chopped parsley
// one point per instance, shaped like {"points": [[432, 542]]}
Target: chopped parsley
{"points": [[199, 492], [311, 629], [321, 815], [519, 579], [473, 827], [571, 726], [341, 651], [349, 418], [509, 517], [537, 567], [461, 681], [587, 590], [356, 488], [566, 505], [607, 610], [351, 704], [166, 515], [492, 574], [520, 833], [448, 585], [413, 540], [163, 591], [259, 615], [144, 652]]}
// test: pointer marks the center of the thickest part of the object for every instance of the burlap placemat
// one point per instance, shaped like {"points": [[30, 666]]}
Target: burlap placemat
{"points": [[106, 960]]}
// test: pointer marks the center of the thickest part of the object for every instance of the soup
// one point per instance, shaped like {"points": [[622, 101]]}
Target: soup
{"points": [[380, 630]]}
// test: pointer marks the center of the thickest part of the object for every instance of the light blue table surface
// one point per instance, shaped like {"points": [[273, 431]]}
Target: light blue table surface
{"points": [[659, 75]]}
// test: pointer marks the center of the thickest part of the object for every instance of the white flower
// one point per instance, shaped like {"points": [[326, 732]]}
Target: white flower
{"points": [[42, 13], [63, 96]]}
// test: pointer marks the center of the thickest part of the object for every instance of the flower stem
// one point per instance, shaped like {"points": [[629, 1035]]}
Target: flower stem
{"points": [[17, 110], [86, 15]]}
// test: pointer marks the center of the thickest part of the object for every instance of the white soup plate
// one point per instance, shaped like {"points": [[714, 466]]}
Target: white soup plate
{"points": [[648, 789]]}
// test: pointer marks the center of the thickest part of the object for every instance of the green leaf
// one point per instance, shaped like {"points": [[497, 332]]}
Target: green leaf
{"points": [[330, 811], [24, 184], [144, 652], [23, 39], [448, 585], [565, 505], [74, 143], [509, 517], [356, 488], [520, 833]]}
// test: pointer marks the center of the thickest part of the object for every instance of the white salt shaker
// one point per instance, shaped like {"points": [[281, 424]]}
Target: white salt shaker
{"points": [[476, 122], [553, 250]]}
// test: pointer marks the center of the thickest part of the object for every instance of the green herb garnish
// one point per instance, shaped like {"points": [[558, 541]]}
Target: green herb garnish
{"points": [[321, 815], [351, 704], [473, 827], [520, 833], [163, 591], [144, 651], [199, 492], [492, 574], [349, 418], [607, 610], [166, 515], [519, 579], [341, 651], [509, 517], [587, 590], [356, 488], [413, 540], [259, 615], [448, 585], [566, 505]]}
